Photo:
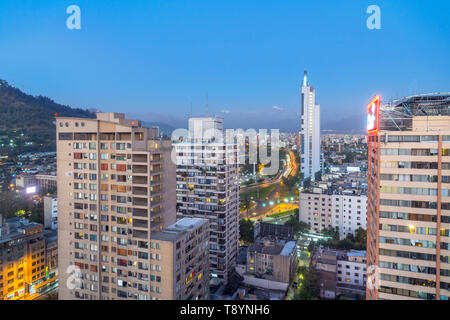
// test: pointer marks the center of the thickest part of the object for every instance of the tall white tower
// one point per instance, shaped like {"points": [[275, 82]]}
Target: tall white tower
{"points": [[310, 133]]}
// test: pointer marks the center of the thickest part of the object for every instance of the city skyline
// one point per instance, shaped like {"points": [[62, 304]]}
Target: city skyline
{"points": [[224, 151]]}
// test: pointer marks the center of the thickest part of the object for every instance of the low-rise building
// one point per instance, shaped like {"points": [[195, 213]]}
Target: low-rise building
{"points": [[340, 273], [351, 274], [24, 181], [272, 259], [22, 258], [46, 182]]}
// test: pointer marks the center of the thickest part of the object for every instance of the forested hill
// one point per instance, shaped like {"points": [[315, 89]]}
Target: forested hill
{"points": [[28, 120]]}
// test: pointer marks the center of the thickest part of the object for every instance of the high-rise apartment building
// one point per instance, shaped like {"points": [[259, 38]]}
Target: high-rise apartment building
{"points": [[208, 187], [116, 188], [310, 133], [408, 237], [181, 258]]}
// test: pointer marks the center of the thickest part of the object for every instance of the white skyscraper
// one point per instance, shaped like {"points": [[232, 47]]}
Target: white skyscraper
{"points": [[310, 133]]}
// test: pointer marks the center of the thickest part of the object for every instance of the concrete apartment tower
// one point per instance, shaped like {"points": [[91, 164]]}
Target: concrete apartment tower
{"points": [[310, 132], [208, 187], [408, 212], [115, 190]]}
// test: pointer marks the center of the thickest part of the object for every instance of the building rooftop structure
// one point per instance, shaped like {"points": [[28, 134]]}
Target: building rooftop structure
{"points": [[337, 187], [15, 228], [178, 229], [398, 114]]}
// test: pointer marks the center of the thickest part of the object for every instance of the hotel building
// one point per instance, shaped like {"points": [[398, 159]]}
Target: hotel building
{"points": [[408, 240]]}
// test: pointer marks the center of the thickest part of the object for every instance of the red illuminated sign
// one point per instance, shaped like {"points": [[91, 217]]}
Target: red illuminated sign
{"points": [[373, 115]]}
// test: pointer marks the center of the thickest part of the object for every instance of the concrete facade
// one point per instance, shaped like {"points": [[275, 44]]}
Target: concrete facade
{"points": [[115, 188]]}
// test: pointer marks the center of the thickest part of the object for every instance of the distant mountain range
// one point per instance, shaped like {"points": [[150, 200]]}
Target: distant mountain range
{"points": [[267, 118], [31, 119]]}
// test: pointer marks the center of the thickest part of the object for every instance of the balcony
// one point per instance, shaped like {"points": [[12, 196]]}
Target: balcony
{"points": [[140, 191], [156, 158], [138, 223], [156, 201], [142, 158], [139, 180], [155, 191], [137, 212], [155, 169], [143, 202], [156, 212], [140, 169]]}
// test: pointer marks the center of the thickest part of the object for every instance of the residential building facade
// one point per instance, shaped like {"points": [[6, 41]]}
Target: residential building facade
{"points": [[408, 240], [208, 187], [22, 258], [115, 189], [273, 259], [180, 257], [325, 209]]}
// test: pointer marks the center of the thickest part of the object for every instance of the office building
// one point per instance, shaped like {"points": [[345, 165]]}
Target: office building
{"points": [[208, 187], [115, 189], [310, 133], [408, 240]]}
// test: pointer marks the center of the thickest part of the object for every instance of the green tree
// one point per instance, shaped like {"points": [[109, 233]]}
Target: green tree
{"points": [[246, 204], [299, 227], [309, 288], [246, 230], [361, 235]]}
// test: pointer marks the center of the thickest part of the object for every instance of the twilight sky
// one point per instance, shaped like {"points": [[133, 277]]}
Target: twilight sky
{"points": [[159, 56]]}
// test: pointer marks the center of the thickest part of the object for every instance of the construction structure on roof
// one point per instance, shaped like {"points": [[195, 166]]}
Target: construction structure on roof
{"points": [[397, 114]]}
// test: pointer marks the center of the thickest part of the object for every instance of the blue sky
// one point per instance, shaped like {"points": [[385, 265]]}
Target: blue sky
{"points": [[154, 56]]}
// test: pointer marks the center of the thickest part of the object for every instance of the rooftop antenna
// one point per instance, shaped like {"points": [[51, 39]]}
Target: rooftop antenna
{"points": [[305, 78], [207, 104], [189, 114]]}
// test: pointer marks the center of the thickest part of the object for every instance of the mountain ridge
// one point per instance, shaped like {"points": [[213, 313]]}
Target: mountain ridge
{"points": [[29, 120]]}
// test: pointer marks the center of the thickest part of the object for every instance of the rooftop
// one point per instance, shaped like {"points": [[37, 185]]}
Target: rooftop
{"points": [[397, 114], [178, 229], [289, 248]]}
